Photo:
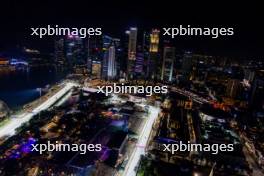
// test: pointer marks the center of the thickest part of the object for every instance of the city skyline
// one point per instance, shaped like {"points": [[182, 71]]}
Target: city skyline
{"points": [[245, 20]]}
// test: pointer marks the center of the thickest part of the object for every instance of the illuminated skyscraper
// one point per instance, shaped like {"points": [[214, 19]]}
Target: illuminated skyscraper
{"points": [[168, 64], [96, 69], [106, 44], [94, 52], [154, 41], [109, 70], [139, 64], [145, 51], [132, 45], [132, 48], [154, 61]]}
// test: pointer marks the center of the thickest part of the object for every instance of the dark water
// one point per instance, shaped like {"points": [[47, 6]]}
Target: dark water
{"points": [[20, 87]]}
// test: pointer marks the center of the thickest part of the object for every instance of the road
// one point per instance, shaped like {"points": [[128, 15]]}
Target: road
{"points": [[251, 158], [191, 95], [257, 171], [142, 141], [9, 128]]}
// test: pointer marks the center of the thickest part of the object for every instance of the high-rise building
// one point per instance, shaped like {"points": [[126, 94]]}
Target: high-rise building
{"points": [[132, 49], [75, 51], [109, 70], [145, 51], [132, 45], [94, 51], [139, 65], [96, 69], [107, 40], [59, 52], [187, 64], [168, 64], [154, 41], [154, 61]]}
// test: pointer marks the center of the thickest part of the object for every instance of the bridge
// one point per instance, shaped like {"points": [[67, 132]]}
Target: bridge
{"points": [[191, 95], [9, 129]]}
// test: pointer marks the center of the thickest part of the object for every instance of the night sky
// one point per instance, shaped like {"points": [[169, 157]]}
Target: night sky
{"points": [[17, 16]]}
